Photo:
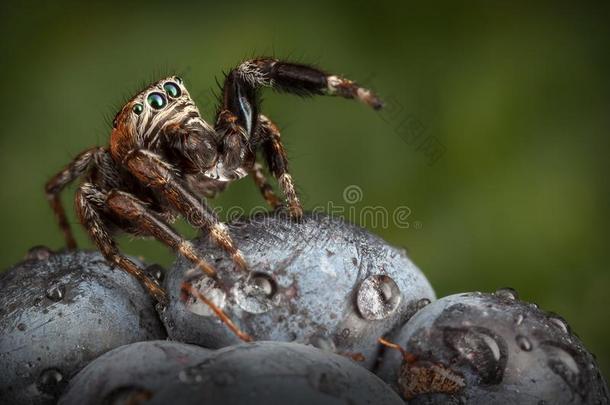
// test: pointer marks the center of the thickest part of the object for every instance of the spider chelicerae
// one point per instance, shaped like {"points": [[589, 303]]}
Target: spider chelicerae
{"points": [[163, 157]]}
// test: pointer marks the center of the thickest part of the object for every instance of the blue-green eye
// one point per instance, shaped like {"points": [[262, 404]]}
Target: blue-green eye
{"points": [[172, 89], [138, 108], [156, 100]]}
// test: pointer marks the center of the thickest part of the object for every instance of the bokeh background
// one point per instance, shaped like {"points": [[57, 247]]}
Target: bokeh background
{"points": [[495, 136]]}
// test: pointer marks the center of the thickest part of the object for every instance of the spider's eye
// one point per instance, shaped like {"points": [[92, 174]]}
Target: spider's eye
{"points": [[138, 108], [178, 79], [172, 89], [156, 100]]}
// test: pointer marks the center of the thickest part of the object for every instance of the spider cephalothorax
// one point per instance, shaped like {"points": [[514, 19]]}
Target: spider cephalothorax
{"points": [[163, 158]]}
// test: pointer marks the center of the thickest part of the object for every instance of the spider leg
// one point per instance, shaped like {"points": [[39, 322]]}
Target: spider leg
{"points": [[263, 185], [89, 204], [275, 154], [151, 170], [128, 207], [57, 183]]}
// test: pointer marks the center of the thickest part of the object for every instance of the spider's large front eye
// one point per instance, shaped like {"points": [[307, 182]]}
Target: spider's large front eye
{"points": [[156, 100], [172, 89], [137, 109]]}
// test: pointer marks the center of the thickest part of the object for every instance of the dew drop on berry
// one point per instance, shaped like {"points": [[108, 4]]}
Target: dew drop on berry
{"points": [[206, 287], [422, 303], [56, 292], [507, 293], [378, 297], [481, 348], [51, 381], [256, 294], [560, 323], [524, 343], [39, 253]]}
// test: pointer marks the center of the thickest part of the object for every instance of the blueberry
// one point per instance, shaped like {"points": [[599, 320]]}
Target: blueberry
{"points": [[321, 281], [132, 372], [253, 373], [60, 311], [480, 348]]}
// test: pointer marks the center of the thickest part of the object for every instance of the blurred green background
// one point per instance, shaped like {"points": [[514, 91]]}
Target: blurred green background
{"points": [[495, 135]]}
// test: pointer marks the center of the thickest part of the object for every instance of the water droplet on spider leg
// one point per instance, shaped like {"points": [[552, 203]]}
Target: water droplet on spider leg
{"points": [[507, 293], [256, 294], [56, 292], [51, 381], [524, 343], [378, 297]]}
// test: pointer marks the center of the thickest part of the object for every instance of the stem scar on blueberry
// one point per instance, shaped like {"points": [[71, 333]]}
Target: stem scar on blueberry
{"points": [[418, 377]]}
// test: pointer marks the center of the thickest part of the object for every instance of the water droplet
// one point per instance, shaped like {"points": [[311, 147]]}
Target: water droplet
{"points": [[38, 253], [21, 327], [130, 394], [51, 381], [323, 343], [559, 322], [56, 293], [378, 297], [207, 287], [481, 348], [507, 293], [519, 319], [195, 374], [156, 271], [563, 363], [422, 303], [524, 343], [256, 294]]}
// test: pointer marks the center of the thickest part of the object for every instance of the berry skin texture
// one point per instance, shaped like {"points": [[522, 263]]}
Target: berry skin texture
{"points": [[321, 281], [252, 373], [132, 373], [479, 348], [60, 311]]}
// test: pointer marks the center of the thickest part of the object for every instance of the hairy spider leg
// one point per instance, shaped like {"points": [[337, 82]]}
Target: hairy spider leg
{"points": [[152, 171], [128, 207], [263, 185], [242, 128], [89, 204], [79, 166]]}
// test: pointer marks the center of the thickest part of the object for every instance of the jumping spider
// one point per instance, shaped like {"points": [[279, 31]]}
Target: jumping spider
{"points": [[163, 158]]}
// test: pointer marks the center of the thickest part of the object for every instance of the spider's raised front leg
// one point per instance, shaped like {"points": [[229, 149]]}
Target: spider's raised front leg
{"points": [[90, 202], [300, 79], [152, 171], [57, 183], [242, 128]]}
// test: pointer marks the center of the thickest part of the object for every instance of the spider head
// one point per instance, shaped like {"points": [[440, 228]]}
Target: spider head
{"points": [[160, 114]]}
